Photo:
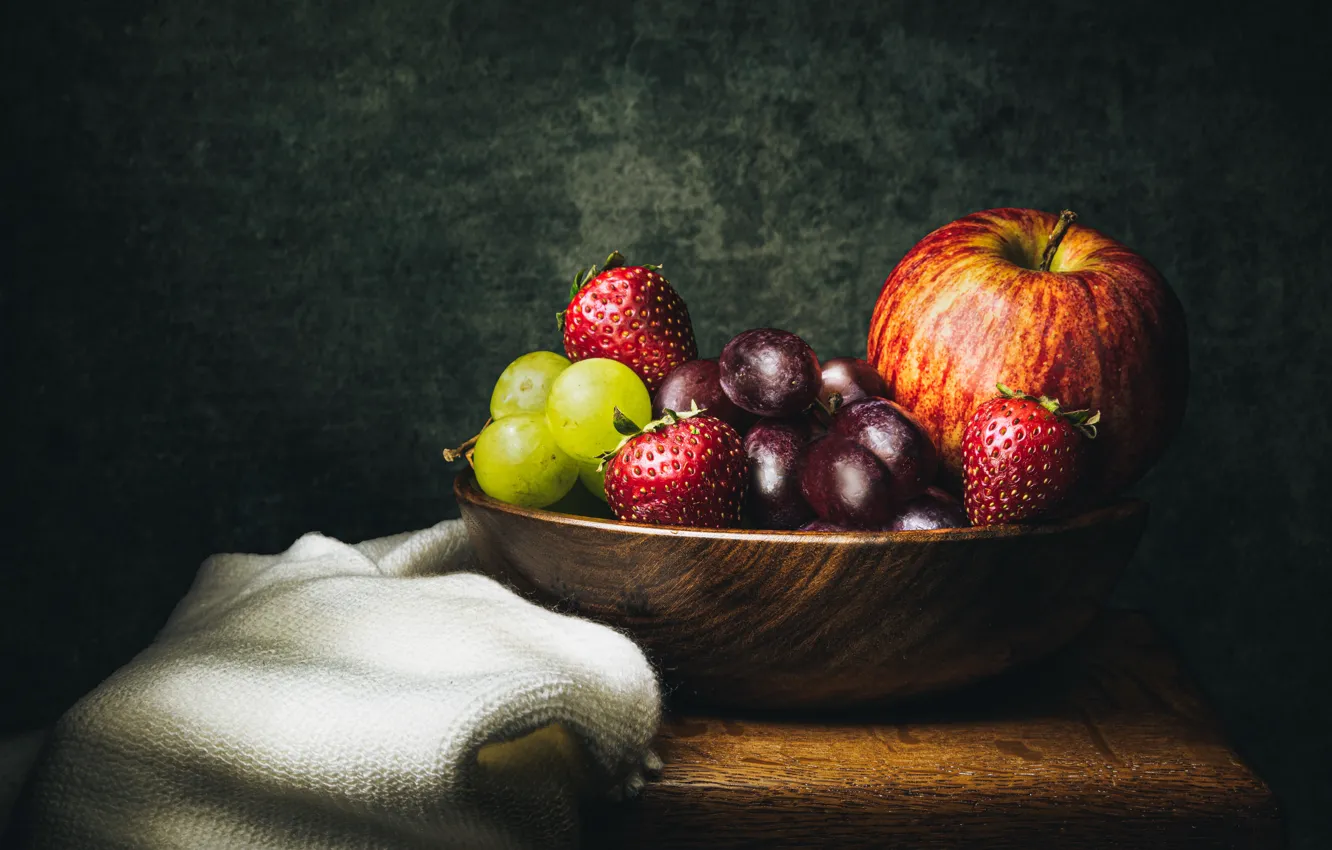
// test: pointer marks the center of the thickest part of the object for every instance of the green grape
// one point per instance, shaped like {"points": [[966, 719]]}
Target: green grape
{"points": [[594, 481], [524, 384], [582, 404], [518, 461]]}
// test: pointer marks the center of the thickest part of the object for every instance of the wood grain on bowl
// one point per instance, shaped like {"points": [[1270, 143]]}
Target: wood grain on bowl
{"points": [[804, 620]]}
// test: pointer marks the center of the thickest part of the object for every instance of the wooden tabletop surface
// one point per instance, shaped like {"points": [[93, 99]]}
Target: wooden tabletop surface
{"points": [[1106, 745]]}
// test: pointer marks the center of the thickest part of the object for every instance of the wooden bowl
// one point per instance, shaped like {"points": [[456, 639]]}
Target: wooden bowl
{"points": [[765, 619]]}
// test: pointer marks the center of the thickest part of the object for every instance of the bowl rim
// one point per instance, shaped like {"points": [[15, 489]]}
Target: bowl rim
{"points": [[466, 490]]}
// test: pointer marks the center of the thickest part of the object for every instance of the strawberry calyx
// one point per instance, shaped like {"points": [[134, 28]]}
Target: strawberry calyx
{"points": [[581, 278], [628, 430], [624, 425], [1083, 421], [586, 275]]}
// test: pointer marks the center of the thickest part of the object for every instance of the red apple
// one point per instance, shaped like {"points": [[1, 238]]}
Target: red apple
{"points": [[1046, 306]]}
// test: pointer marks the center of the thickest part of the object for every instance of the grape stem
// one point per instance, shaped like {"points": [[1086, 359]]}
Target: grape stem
{"points": [[825, 414], [465, 450]]}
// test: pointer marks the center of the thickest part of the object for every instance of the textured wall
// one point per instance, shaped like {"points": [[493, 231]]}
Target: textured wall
{"points": [[263, 260]]}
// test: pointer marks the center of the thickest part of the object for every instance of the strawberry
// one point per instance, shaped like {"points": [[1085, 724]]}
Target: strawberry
{"points": [[1022, 457], [683, 469], [630, 314]]}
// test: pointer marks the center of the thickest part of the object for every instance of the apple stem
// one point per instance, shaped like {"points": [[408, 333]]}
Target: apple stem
{"points": [[1066, 219]]}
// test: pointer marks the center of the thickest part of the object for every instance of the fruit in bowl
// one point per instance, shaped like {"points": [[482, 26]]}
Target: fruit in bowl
{"points": [[932, 510], [719, 509], [897, 441], [849, 379], [774, 448], [519, 462], [582, 404], [773, 443], [630, 314], [770, 372], [682, 469], [551, 421], [698, 383], [1045, 305], [998, 298], [1023, 457], [845, 484], [717, 464], [524, 385]]}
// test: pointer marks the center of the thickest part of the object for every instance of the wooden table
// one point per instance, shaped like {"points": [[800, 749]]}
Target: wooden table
{"points": [[1106, 745]]}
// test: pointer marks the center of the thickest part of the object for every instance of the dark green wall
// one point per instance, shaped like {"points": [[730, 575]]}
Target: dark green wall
{"points": [[263, 260]]}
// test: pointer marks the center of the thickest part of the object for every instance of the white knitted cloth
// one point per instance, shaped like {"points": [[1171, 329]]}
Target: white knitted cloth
{"points": [[339, 696]]}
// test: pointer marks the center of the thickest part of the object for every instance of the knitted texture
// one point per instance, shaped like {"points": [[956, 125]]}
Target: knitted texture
{"points": [[339, 696]]}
